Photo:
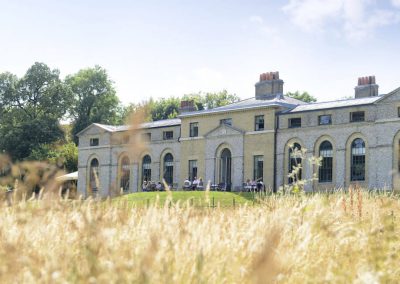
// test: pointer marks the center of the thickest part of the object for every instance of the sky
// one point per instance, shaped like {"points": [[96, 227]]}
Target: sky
{"points": [[170, 48]]}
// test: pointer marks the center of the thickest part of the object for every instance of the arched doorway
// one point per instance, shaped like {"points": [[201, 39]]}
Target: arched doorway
{"points": [[225, 169], [94, 183], [125, 173], [169, 169]]}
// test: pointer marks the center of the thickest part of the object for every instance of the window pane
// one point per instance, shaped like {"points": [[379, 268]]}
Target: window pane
{"points": [[169, 169], [295, 162], [294, 122], [227, 121], [94, 141], [326, 167], [168, 135], [146, 168], [325, 119], [259, 122], [125, 174], [357, 116], [192, 170], [194, 129], [358, 160], [258, 168]]}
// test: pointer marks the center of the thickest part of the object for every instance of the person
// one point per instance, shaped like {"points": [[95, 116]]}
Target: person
{"points": [[260, 186], [144, 185], [187, 184], [247, 185], [195, 183], [200, 185], [159, 186]]}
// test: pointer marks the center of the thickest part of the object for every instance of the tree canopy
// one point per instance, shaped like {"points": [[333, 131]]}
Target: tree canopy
{"points": [[94, 99], [31, 108], [305, 97]]}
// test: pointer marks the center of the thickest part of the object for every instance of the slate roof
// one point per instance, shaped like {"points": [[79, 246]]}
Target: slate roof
{"points": [[153, 124], [334, 104], [279, 101]]}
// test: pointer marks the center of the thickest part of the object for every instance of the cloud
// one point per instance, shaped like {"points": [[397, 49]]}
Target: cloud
{"points": [[396, 3], [356, 19], [256, 19]]}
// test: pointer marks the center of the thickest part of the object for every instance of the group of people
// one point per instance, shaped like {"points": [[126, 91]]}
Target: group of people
{"points": [[196, 184], [254, 185], [152, 186]]}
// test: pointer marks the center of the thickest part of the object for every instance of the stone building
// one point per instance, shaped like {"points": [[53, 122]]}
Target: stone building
{"points": [[356, 139]]}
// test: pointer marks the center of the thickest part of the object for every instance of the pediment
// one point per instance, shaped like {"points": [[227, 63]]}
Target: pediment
{"points": [[92, 129], [393, 96], [224, 130]]}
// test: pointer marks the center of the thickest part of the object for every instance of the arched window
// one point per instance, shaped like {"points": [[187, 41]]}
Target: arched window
{"points": [[326, 167], [94, 176], [295, 162], [125, 173], [146, 168], [358, 160], [169, 169]]}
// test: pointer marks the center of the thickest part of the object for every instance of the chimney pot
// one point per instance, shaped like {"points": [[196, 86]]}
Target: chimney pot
{"points": [[269, 87], [366, 87]]}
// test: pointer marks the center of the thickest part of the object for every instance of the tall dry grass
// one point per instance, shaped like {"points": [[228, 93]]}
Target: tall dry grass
{"points": [[288, 239]]}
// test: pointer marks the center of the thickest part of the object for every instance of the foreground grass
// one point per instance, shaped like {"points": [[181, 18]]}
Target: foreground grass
{"points": [[287, 239], [194, 198]]}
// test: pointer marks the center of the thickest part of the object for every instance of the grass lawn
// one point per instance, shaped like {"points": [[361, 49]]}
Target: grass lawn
{"points": [[196, 198]]}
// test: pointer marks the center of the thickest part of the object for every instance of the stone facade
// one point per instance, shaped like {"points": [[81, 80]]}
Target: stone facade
{"points": [[234, 129]]}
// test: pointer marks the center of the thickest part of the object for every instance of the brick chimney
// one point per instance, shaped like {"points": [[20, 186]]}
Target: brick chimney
{"points": [[366, 87], [187, 106], [269, 86]]}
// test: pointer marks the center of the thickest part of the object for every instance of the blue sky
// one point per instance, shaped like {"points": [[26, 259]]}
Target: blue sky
{"points": [[169, 48]]}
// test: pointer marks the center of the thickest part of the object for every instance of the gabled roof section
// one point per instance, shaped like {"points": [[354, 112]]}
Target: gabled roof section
{"points": [[395, 91], [251, 103], [146, 125]]}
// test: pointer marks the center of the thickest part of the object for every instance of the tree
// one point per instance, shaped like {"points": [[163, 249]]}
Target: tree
{"points": [[64, 155], [31, 108], [164, 108], [95, 99], [213, 100], [305, 97]]}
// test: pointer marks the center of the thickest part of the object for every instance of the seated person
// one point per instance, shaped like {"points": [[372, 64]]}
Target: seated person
{"points": [[195, 183], [159, 186], [187, 184], [144, 186], [200, 184]]}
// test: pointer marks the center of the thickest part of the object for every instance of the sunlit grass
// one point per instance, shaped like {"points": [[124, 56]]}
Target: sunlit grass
{"points": [[287, 239]]}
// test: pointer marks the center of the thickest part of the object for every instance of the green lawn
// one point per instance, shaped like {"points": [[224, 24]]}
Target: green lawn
{"points": [[195, 198]]}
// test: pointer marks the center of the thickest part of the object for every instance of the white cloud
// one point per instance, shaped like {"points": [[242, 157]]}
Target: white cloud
{"points": [[396, 3], [357, 19], [256, 19]]}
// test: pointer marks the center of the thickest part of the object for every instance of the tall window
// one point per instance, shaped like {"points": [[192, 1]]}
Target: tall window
{"points": [[94, 175], [146, 168], [259, 123], [295, 122], [258, 168], [326, 167], [168, 135], [194, 129], [358, 160], [125, 173], [169, 169], [225, 169], [192, 169], [227, 121], [295, 162]]}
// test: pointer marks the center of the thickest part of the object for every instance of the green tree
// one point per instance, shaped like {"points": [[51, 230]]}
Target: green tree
{"points": [[64, 155], [305, 97], [95, 99], [213, 100], [31, 108]]}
